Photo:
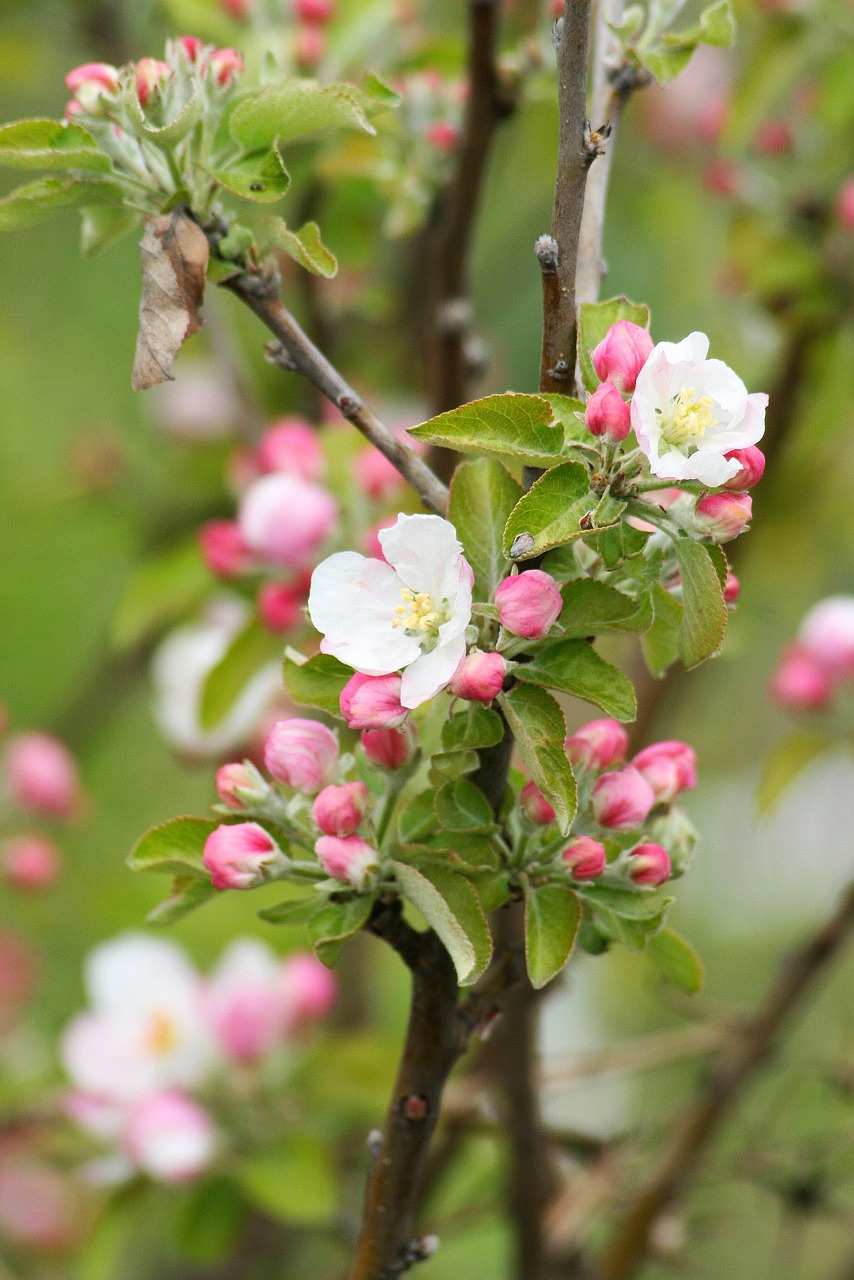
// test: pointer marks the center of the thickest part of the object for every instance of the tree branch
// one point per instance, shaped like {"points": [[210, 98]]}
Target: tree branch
{"points": [[576, 151], [751, 1044], [294, 350]]}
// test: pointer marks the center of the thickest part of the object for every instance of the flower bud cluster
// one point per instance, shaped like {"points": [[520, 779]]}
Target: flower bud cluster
{"points": [[38, 782], [814, 667]]}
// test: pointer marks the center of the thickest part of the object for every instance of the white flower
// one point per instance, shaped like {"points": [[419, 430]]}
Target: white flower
{"points": [[144, 1031], [688, 412], [408, 613]]}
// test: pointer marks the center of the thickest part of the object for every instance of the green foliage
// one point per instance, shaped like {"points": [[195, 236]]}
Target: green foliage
{"points": [[538, 726], [450, 905], [574, 666], [483, 494], [511, 426], [42, 199], [661, 643], [251, 649], [188, 893], [50, 144], [304, 246], [593, 608], [552, 917], [295, 1183], [210, 1220], [317, 682], [676, 959], [163, 589], [664, 53], [594, 321], [551, 512], [260, 177], [705, 613], [335, 920], [461, 806], [173, 847], [786, 760], [295, 110], [624, 915]]}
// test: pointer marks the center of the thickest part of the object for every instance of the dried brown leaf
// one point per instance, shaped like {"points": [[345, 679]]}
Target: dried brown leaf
{"points": [[174, 252]]}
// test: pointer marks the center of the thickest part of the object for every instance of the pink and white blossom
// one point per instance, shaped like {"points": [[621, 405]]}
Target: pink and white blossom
{"points": [[347, 858], [621, 354], [40, 775], [607, 413], [244, 1001], [535, 805], [303, 754], [827, 633], [801, 682], [30, 862], [285, 520], [669, 767], [373, 702], [169, 1137], [242, 855], [622, 800], [291, 445], [406, 614], [479, 677], [723, 516], [649, 864], [389, 748], [529, 603], [340, 810], [585, 858], [598, 744]]}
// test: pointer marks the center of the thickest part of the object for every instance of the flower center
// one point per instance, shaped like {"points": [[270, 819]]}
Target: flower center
{"points": [[688, 418], [161, 1034], [417, 614]]}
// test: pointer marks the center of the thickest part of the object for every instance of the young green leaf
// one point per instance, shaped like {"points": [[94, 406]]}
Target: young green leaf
{"points": [[161, 590], [483, 494], [594, 321], [39, 200], [210, 1220], [551, 512], [472, 730], [251, 649], [539, 728], [103, 226], [450, 905], [304, 246], [296, 109], [461, 806], [49, 144], [173, 847], [705, 612], [574, 666], [295, 1182], [591, 608], [292, 911], [188, 893], [660, 645], [335, 922], [317, 682], [552, 917], [677, 960], [509, 426], [260, 177]]}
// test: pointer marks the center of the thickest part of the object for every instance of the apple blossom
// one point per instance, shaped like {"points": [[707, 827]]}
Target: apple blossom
{"points": [[535, 805], [649, 864], [585, 858], [291, 445], [723, 516], [529, 603], [29, 861], [144, 1030], [169, 1137], [240, 784], [310, 990], [309, 46], [389, 748], [479, 677], [314, 11], [340, 810], [752, 463], [622, 800], [244, 1001], [597, 744], [279, 605], [773, 137], [607, 413], [688, 413], [669, 767], [40, 775], [223, 549], [150, 75], [38, 1207], [91, 83], [303, 754], [827, 633], [621, 354], [801, 682], [285, 519], [226, 64], [442, 134], [242, 856], [347, 858], [192, 47], [732, 587], [409, 614], [372, 702]]}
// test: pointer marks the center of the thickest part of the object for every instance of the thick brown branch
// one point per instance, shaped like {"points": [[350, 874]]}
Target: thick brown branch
{"points": [[576, 151], [295, 350], [749, 1047]]}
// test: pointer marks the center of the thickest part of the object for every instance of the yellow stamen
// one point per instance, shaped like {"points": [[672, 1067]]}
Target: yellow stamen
{"points": [[417, 612], [162, 1034], [688, 419]]}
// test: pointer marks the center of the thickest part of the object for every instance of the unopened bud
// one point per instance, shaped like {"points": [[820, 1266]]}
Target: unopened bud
{"points": [[242, 856], [91, 83], [240, 785], [529, 603], [607, 413], [372, 702], [279, 606], [314, 11], [150, 75], [535, 805], [597, 744], [40, 775], [845, 205], [29, 862], [723, 516], [226, 64], [339, 810], [622, 354], [669, 767], [347, 858], [291, 445], [801, 682], [224, 551], [442, 135], [827, 633], [752, 462], [585, 858], [389, 748], [649, 864], [479, 677], [622, 800], [302, 754]]}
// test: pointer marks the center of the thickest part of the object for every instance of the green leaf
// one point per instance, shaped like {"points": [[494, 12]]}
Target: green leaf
{"points": [[250, 650], [539, 728], [260, 177], [210, 1220], [295, 1183], [188, 892], [483, 494], [677, 960], [592, 608], [574, 666], [162, 590], [705, 612], [510, 426], [461, 806], [292, 911], [450, 905], [569, 412], [304, 246], [374, 94], [623, 915], [594, 321], [317, 682], [175, 130], [552, 917], [39, 200], [550, 513], [472, 730], [103, 226], [298, 109], [173, 847], [48, 144], [660, 645], [334, 922], [786, 760]]}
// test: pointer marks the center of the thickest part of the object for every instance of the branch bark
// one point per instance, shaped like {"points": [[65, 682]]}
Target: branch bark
{"points": [[294, 350], [750, 1046]]}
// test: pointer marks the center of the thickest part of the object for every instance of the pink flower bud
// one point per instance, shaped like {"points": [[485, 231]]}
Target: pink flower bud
{"points": [[732, 588], [649, 864], [239, 9], [669, 768], [622, 354], [224, 551], [285, 519], [241, 856], [442, 135], [389, 748], [192, 47], [597, 744], [169, 1136], [280, 606], [314, 11], [479, 677], [752, 467], [309, 46], [302, 754], [585, 858], [535, 805], [827, 633], [239, 785], [150, 75], [723, 516], [722, 178], [339, 810], [40, 1208], [372, 702], [291, 445], [310, 990], [622, 800], [30, 862], [90, 84], [18, 966], [712, 118], [347, 858], [41, 775], [226, 64], [607, 413], [801, 682], [375, 475], [529, 603], [845, 205], [773, 138]]}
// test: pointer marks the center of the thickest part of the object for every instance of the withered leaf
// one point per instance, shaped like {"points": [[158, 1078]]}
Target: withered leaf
{"points": [[174, 252]]}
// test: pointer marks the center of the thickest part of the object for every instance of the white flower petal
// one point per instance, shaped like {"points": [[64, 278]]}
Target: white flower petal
{"points": [[135, 972], [423, 678], [421, 548], [352, 603]]}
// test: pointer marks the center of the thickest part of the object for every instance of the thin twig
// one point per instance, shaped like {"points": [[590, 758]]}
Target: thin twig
{"points": [[295, 350], [750, 1045]]}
